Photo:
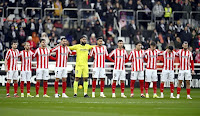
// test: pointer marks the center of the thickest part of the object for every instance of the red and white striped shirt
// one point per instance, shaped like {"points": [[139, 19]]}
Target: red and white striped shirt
{"points": [[26, 58], [168, 60], [185, 58], [42, 57], [12, 57], [152, 58], [137, 58], [61, 55], [99, 54], [119, 57]]}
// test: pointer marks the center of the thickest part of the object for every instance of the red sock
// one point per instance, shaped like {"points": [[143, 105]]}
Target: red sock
{"points": [[15, 87], [102, 85], [172, 88], [64, 86], [28, 86], [7, 87], [22, 86], [178, 90], [146, 87], [132, 86], [56, 87], [37, 87], [113, 87], [161, 87], [154, 87], [122, 87], [93, 85], [141, 86], [45, 87], [188, 91]]}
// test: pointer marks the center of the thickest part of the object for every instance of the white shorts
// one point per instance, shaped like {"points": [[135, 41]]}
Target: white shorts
{"points": [[151, 75], [137, 75], [167, 75], [61, 72], [99, 73], [42, 74], [12, 74], [119, 74], [26, 75], [184, 74]]}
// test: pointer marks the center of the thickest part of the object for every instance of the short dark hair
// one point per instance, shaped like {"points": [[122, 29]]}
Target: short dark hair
{"points": [[120, 41], [42, 40], [171, 48], [84, 36], [100, 38], [153, 43], [14, 41], [139, 42]]}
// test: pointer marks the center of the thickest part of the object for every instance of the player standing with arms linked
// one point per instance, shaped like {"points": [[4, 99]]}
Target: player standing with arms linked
{"points": [[99, 53], [62, 52], [11, 67], [168, 70], [81, 69], [42, 72], [186, 60], [120, 56], [151, 71], [137, 58], [26, 59]]}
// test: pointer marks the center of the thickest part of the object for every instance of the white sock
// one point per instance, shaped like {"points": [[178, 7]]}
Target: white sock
{"points": [[154, 94], [101, 93], [188, 95], [85, 93], [161, 93], [28, 93], [172, 94], [122, 93]]}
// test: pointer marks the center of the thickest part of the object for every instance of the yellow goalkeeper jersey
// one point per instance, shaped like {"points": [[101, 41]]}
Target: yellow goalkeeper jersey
{"points": [[82, 53]]}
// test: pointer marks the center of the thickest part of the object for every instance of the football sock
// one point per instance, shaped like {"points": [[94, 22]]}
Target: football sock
{"points": [[122, 87], [37, 87], [141, 86], [45, 87], [188, 91], [178, 90], [7, 87], [15, 87], [154, 87], [64, 86], [28, 86], [102, 85], [113, 87], [146, 87], [172, 88], [132, 86], [56, 87], [93, 85], [75, 87], [161, 87], [85, 84], [22, 86]]}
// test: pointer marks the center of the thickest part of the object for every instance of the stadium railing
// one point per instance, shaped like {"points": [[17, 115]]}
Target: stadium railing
{"points": [[192, 13], [143, 20], [50, 9], [30, 8], [180, 12], [16, 10], [2, 10]]}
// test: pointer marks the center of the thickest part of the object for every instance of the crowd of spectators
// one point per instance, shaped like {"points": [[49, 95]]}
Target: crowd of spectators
{"points": [[33, 27]]}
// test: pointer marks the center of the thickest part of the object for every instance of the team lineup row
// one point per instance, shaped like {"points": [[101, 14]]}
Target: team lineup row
{"points": [[119, 56]]}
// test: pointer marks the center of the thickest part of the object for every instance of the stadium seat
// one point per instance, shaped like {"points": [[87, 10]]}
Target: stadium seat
{"points": [[128, 47]]}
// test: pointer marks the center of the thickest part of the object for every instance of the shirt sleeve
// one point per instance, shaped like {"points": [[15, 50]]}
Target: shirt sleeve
{"points": [[7, 55], [54, 49], [130, 56], [74, 47], [36, 53], [69, 51], [126, 55], [112, 53], [91, 52], [91, 46]]}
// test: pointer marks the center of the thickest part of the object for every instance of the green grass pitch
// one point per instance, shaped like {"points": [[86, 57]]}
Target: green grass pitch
{"points": [[99, 106]]}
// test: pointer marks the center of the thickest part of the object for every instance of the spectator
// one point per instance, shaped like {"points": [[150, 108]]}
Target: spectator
{"points": [[44, 36], [158, 10], [48, 26], [12, 34], [71, 13], [93, 39], [88, 31], [22, 24], [58, 4], [21, 37], [185, 35], [99, 7], [178, 43], [194, 42], [139, 5], [32, 44], [129, 6], [178, 27], [31, 26], [197, 57], [168, 12], [59, 26], [86, 5], [35, 38], [186, 7], [78, 34], [39, 27], [176, 7], [138, 37], [154, 35], [110, 18], [161, 27], [15, 24], [109, 45], [171, 27], [131, 30], [6, 26]]}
